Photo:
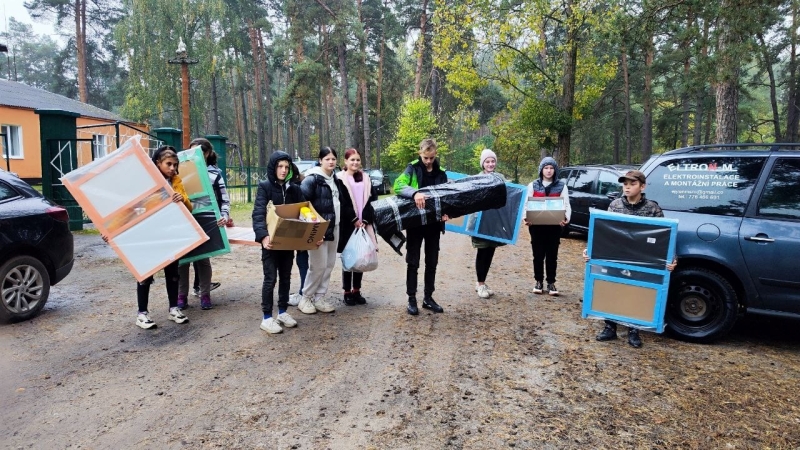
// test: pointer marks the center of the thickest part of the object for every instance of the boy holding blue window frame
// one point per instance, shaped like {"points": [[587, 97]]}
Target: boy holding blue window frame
{"points": [[632, 202]]}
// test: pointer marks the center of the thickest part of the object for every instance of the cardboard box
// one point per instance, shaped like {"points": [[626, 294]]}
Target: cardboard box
{"points": [[287, 232], [545, 210]]}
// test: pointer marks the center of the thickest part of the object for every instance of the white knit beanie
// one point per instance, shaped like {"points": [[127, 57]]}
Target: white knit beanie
{"points": [[487, 153]]}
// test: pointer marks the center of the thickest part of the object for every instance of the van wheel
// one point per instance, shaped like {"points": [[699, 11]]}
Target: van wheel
{"points": [[701, 307], [24, 288]]}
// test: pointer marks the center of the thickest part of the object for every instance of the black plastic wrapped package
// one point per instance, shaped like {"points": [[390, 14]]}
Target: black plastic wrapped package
{"points": [[454, 199]]}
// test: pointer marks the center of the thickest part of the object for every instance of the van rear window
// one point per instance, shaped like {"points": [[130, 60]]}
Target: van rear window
{"points": [[706, 185]]}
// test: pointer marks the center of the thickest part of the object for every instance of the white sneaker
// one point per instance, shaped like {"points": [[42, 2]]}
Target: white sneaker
{"points": [[271, 326], [287, 320], [294, 299], [177, 316], [322, 305], [483, 291], [143, 321], [306, 305]]}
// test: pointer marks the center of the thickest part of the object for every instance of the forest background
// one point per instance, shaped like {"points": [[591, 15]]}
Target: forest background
{"points": [[586, 81]]}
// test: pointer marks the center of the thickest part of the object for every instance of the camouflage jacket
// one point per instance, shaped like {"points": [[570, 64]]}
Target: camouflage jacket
{"points": [[644, 208]]}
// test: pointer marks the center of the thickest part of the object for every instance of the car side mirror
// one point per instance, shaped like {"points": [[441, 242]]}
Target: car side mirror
{"points": [[613, 195]]}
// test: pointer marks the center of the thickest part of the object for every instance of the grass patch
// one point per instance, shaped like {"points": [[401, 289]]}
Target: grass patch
{"points": [[242, 214]]}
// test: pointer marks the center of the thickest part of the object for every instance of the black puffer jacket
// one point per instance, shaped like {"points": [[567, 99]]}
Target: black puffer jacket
{"points": [[271, 190], [316, 190]]}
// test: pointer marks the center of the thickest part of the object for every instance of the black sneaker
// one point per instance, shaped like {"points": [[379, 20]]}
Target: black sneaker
{"points": [[608, 333], [551, 289], [633, 338], [412, 306], [349, 300], [360, 300], [539, 288], [429, 303]]}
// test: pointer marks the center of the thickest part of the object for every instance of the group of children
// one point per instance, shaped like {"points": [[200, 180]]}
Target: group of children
{"points": [[343, 200]]}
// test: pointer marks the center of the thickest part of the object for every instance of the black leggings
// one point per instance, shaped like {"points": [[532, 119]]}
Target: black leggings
{"points": [[351, 280], [483, 260], [170, 276]]}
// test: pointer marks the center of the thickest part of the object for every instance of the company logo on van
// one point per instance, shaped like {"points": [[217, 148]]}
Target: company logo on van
{"points": [[710, 167]]}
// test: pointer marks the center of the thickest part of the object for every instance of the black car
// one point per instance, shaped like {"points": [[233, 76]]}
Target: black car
{"points": [[380, 182], [590, 186], [36, 248]]}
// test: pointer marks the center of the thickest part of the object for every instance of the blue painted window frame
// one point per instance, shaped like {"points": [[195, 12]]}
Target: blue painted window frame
{"points": [[662, 290], [463, 228]]}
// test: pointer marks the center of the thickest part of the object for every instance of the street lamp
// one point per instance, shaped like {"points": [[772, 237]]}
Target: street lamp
{"points": [[184, 61]]}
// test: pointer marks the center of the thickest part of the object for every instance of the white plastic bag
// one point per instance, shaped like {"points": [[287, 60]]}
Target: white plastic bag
{"points": [[360, 254]]}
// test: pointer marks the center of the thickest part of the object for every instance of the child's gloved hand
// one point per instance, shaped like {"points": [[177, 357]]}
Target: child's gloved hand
{"points": [[586, 255]]}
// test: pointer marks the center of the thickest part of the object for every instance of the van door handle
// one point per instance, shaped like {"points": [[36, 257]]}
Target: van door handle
{"points": [[759, 239]]}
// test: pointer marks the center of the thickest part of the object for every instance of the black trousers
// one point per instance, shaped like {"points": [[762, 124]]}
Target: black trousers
{"points": [[351, 280], [483, 260], [544, 243], [431, 234], [277, 266], [170, 276]]}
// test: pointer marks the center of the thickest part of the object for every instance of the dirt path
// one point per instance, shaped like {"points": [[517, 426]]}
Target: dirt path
{"points": [[519, 370]]}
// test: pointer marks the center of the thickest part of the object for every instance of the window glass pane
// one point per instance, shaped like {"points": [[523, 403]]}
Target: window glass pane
{"points": [[582, 180], [563, 175], [99, 146], [7, 192], [781, 198], [707, 185], [608, 182], [12, 141]]}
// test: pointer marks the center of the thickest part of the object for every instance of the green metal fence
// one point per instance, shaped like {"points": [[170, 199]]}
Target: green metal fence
{"points": [[242, 182]]}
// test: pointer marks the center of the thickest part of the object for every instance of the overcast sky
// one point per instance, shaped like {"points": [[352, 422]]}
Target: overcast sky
{"points": [[16, 9]]}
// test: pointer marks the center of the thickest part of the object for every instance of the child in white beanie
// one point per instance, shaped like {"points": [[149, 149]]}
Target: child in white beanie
{"points": [[483, 260]]}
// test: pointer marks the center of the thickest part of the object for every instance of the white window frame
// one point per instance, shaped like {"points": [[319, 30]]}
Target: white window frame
{"points": [[99, 144], [14, 141]]}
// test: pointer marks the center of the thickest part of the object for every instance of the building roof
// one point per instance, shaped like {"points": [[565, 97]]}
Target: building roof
{"points": [[23, 96]]}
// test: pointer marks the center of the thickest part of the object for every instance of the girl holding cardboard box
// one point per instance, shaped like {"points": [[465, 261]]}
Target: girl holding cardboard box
{"points": [[545, 239]]}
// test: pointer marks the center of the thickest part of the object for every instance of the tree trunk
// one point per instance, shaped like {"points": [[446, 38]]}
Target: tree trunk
{"points": [[701, 92], [262, 148], [627, 91], [267, 95], [348, 127], [364, 92], [686, 81], [568, 86], [647, 99], [616, 131], [423, 21], [80, 44], [378, 131], [792, 82], [773, 97], [727, 79]]}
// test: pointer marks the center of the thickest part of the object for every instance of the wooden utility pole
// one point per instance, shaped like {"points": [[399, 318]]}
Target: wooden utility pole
{"points": [[184, 61]]}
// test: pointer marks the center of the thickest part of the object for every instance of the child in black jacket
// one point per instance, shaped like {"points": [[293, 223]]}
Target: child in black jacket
{"points": [[277, 264]]}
